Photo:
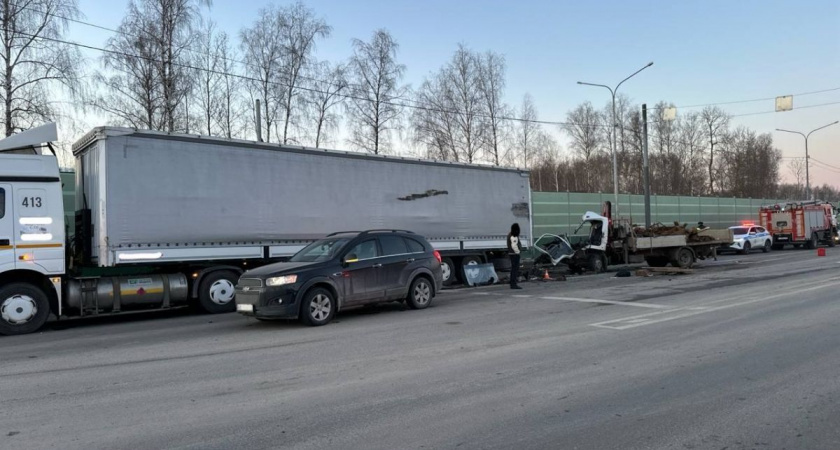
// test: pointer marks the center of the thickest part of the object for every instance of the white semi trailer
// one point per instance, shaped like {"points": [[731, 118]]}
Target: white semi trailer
{"points": [[168, 220]]}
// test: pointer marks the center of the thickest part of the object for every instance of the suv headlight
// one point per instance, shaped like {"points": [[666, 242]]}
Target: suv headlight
{"points": [[280, 281]]}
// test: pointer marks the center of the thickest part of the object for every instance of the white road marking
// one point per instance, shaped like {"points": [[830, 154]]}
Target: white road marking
{"points": [[608, 302], [679, 313]]}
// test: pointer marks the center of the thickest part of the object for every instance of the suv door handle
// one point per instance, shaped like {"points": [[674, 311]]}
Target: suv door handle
{"points": [[410, 260], [5, 241], [376, 266]]}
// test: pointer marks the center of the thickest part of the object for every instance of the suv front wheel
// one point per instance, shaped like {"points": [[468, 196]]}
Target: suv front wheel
{"points": [[318, 307], [420, 294]]}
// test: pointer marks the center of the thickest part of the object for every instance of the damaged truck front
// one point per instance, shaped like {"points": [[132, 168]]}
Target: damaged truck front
{"points": [[619, 242]]}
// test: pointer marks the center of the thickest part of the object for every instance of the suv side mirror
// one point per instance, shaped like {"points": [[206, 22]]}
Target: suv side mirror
{"points": [[351, 258]]}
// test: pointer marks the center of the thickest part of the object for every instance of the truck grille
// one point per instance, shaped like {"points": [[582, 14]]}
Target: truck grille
{"points": [[250, 282]]}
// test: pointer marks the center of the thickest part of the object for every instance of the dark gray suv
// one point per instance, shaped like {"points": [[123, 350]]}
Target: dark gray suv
{"points": [[343, 270]]}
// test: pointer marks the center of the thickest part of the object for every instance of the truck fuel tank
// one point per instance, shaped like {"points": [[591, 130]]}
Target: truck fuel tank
{"points": [[114, 294]]}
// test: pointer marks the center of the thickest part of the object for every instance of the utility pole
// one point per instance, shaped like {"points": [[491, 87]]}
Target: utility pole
{"points": [[645, 165], [615, 131], [807, 157], [259, 121]]}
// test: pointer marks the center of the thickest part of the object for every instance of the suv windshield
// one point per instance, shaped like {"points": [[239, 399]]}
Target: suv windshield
{"points": [[739, 230], [322, 250]]}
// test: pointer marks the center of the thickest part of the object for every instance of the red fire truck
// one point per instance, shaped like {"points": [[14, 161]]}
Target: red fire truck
{"points": [[808, 223]]}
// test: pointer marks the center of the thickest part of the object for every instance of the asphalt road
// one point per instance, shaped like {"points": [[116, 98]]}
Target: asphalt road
{"points": [[743, 353]]}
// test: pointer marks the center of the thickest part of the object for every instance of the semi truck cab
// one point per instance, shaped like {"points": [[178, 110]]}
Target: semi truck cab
{"points": [[32, 233]]}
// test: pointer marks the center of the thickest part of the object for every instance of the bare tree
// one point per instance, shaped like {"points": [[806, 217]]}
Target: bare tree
{"points": [[491, 84], [262, 47], [207, 61], [434, 125], [172, 20], [299, 28], [796, 166], [228, 110], [323, 100], [132, 90], [527, 131], [690, 135], [151, 64], [462, 77], [715, 122], [584, 128], [34, 62], [376, 76]]}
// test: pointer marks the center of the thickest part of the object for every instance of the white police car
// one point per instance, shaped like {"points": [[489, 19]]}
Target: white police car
{"points": [[748, 237]]}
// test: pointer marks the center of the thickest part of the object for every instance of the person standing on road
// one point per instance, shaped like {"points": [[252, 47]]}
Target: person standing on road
{"points": [[514, 250]]}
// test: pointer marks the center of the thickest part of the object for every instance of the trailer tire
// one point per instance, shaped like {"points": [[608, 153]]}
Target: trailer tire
{"points": [[24, 308], [595, 263], [501, 264], [216, 292], [767, 246], [831, 242], [448, 269], [465, 262], [683, 258]]}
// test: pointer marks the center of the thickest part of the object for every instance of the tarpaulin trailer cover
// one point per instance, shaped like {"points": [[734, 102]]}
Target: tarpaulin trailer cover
{"points": [[158, 190]]}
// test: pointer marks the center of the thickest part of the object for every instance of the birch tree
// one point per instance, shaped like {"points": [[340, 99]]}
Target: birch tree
{"points": [[374, 108], [262, 47], [491, 84], [299, 30], [35, 65], [324, 100], [527, 131]]}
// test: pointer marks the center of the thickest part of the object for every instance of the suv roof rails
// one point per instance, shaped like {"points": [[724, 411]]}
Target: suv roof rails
{"points": [[360, 233], [387, 230], [343, 232]]}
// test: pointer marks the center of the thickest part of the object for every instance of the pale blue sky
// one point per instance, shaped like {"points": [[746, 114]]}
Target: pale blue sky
{"points": [[704, 51]]}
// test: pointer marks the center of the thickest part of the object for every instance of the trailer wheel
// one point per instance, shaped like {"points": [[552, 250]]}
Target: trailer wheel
{"points": [[683, 259], [24, 308], [216, 292], [447, 267], [595, 263], [831, 239], [501, 264], [465, 266]]}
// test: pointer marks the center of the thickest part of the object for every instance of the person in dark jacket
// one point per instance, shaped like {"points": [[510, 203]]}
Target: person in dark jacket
{"points": [[514, 251], [596, 235]]}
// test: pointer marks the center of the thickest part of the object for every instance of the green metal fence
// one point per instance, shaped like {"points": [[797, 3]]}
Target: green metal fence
{"points": [[560, 212]]}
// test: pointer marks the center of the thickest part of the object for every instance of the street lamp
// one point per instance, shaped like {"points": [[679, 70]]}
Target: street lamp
{"points": [[807, 163], [615, 125]]}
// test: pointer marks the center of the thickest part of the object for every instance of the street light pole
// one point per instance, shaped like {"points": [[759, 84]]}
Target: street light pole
{"points": [[615, 131], [807, 157]]}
